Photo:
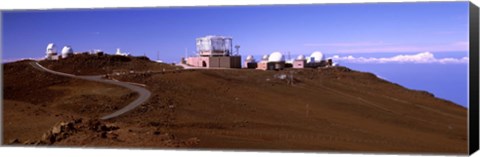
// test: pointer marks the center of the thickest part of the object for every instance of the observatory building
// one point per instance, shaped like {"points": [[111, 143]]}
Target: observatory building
{"points": [[67, 51], [214, 52], [51, 52], [299, 62], [120, 53], [262, 65], [274, 61], [250, 62], [315, 59]]}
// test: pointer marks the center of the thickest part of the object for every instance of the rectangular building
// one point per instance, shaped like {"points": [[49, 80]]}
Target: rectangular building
{"points": [[215, 62]]}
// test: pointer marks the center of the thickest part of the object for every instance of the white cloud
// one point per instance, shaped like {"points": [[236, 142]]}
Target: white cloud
{"points": [[345, 44], [446, 32], [456, 46], [379, 46], [424, 57]]}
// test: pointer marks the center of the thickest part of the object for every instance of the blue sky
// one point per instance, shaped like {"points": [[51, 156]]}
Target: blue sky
{"points": [[300, 29], [434, 33]]}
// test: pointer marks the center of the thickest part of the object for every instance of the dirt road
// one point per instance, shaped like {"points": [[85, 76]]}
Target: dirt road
{"points": [[144, 94]]}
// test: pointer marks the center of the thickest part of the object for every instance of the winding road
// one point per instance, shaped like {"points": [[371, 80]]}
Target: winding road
{"points": [[143, 93]]}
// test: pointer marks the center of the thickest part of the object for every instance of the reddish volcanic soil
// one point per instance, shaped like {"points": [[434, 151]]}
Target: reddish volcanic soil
{"points": [[326, 109], [86, 64]]}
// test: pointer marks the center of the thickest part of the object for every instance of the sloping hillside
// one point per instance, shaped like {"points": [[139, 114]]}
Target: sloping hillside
{"points": [[41, 108], [334, 109], [329, 109], [87, 64]]}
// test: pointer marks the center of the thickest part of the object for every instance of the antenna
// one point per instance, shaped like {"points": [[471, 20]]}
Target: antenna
{"points": [[289, 55], [237, 47]]}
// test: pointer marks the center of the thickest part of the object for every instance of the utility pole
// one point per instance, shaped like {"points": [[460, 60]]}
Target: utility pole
{"points": [[237, 47], [289, 55]]}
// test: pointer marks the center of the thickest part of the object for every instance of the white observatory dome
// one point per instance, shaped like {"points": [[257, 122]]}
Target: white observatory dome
{"points": [[250, 58], [301, 57], [67, 50], [51, 49], [265, 57], [276, 57], [316, 57], [118, 52]]}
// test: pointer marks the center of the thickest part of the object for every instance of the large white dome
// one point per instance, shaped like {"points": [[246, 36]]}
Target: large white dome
{"points": [[51, 49], [301, 57], [316, 57], [276, 57], [67, 50]]}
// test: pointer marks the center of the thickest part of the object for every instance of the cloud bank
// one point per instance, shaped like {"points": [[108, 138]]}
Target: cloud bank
{"points": [[420, 58], [384, 47]]}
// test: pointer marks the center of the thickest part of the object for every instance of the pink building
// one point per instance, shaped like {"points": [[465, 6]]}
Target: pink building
{"points": [[262, 65], [299, 64]]}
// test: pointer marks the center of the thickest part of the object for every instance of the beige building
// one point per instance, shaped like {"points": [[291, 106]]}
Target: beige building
{"points": [[215, 62], [274, 61]]}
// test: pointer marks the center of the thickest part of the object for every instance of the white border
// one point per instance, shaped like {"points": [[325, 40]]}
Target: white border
{"points": [[81, 152]]}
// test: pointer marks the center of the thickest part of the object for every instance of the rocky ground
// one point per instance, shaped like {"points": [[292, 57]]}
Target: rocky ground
{"points": [[325, 109]]}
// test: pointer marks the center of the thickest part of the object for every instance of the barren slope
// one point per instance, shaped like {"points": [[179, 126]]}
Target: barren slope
{"points": [[332, 109], [325, 109], [34, 100], [86, 64], [37, 105]]}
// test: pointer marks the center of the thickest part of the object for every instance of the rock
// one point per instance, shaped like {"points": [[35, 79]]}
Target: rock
{"points": [[108, 127], [103, 135], [48, 138], [39, 142], [56, 129], [112, 135], [59, 132], [192, 141], [27, 142], [14, 141]]}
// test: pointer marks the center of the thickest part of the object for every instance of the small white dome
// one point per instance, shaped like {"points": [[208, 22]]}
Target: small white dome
{"points": [[276, 57], [66, 51], [316, 57], [51, 49], [301, 57], [265, 57], [249, 58]]}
